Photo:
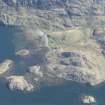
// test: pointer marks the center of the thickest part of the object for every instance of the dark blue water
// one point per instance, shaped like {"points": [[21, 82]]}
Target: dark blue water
{"points": [[6, 46], [67, 94]]}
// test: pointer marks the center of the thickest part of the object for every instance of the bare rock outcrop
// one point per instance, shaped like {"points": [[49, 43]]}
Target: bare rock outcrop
{"points": [[19, 83], [49, 26], [88, 100], [6, 66], [82, 67], [23, 53]]}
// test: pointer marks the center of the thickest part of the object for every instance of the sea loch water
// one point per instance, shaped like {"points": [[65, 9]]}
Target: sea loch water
{"points": [[67, 94]]}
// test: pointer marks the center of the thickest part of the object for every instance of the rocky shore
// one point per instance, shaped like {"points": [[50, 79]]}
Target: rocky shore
{"points": [[57, 41]]}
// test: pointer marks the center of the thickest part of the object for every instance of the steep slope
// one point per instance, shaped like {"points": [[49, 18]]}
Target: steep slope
{"points": [[27, 11]]}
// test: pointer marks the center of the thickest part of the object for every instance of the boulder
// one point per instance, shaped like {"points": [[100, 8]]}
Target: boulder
{"points": [[6, 66], [88, 100], [82, 67], [19, 83], [36, 70], [23, 53]]}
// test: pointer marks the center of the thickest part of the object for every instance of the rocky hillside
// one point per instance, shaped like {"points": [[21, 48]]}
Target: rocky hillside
{"points": [[54, 13], [74, 7]]}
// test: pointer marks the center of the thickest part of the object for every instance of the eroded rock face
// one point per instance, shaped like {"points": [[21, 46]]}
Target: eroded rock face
{"points": [[72, 58], [19, 83]]}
